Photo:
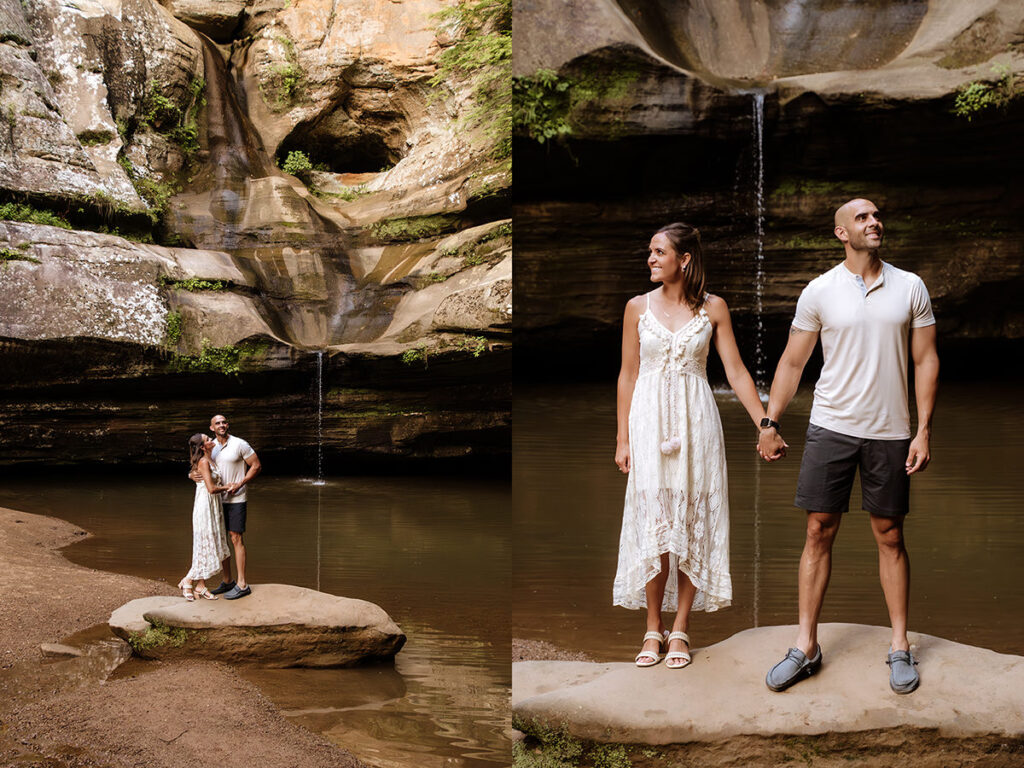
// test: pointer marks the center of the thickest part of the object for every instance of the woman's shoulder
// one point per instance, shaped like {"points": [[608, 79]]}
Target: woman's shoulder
{"points": [[637, 305], [715, 306]]}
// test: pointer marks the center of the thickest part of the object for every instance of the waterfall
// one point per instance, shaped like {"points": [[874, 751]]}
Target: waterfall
{"points": [[319, 419], [760, 378]]}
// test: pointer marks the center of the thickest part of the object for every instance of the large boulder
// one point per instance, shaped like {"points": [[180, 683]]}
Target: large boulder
{"points": [[965, 691], [278, 625]]}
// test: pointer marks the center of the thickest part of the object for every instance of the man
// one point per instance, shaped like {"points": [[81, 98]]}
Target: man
{"points": [[864, 310], [238, 464]]}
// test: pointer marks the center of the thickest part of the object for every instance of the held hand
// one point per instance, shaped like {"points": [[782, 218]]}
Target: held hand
{"points": [[770, 445], [232, 488], [919, 455], [622, 457], [195, 477]]}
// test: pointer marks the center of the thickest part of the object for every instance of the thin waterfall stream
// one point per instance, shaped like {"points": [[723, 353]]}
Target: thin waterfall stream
{"points": [[760, 373]]}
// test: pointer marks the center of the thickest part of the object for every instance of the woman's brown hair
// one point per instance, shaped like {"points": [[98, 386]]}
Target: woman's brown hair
{"points": [[686, 239], [195, 448]]}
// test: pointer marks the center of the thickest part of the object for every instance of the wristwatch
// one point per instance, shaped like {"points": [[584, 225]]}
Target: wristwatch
{"points": [[766, 422]]}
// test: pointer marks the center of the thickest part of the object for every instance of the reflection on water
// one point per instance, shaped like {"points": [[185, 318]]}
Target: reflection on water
{"points": [[433, 552], [964, 532]]}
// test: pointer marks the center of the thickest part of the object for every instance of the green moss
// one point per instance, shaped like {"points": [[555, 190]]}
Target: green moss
{"points": [[813, 242], [976, 97], [436, 277], [482, 57], [193, 284], [226, 360], [26, 213], [6, 254], [165, 116], [416, 355], [95, 138], [281, 87], [475, 345], [413, 227], [172, 333], [348, 195], [548, 106], [159, 634]]}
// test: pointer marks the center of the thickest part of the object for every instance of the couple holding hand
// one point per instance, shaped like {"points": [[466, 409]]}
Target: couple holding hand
{"points": [[674, 544], [221, 467]]}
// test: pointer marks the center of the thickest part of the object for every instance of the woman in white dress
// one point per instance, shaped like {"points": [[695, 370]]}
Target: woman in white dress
{"points": [[674, 546], [209, 539]]}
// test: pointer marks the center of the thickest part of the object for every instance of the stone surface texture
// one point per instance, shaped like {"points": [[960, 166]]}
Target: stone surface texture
{"points": [[668, 133], [964, 692], [122, 111], [278, 625]]}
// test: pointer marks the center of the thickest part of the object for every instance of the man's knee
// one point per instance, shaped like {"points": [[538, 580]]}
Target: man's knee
{"points": [[888, 532], [236, 537], [822, 530]]}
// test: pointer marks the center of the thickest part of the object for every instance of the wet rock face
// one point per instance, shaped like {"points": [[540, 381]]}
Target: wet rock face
{"points": [[752, 40], [278, 625], [681, 144]]}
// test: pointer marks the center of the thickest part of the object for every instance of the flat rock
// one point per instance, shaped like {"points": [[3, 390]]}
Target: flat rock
{"points": [[278, 625], [965, 691]]}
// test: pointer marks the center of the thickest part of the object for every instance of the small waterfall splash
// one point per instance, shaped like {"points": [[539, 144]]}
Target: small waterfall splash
{"points": [[319, 421], [760, 373]]}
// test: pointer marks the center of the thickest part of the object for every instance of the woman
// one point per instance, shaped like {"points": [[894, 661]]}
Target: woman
{"points": [[674, 546], [209, 540]]}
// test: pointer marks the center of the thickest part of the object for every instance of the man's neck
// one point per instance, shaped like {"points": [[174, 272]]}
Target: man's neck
{"points": [[223, 440], [867, 264]]}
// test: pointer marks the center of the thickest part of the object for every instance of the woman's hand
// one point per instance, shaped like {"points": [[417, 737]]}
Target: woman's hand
{"points": [[622, 457]]}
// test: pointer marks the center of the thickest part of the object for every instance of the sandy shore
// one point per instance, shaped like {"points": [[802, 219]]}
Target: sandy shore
{"points": [[179, 715]]}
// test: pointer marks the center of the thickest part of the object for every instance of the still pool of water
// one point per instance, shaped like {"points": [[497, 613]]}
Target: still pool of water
{"points": [[965, 532], [433, 552]]}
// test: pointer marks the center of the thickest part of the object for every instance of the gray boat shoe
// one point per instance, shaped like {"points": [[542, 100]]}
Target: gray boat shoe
{"points": [[903, 678], [236, 592], [792, 669]]}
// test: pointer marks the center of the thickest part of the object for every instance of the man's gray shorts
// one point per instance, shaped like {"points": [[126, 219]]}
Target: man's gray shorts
{"points": [[830, 461], [234, 516]]}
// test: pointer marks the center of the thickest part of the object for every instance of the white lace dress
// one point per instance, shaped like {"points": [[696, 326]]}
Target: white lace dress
{"points": [[209, 539], [677, 492]]}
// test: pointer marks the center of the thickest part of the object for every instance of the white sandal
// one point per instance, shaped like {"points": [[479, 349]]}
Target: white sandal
{"points": [[673, 655], [652, 655]]}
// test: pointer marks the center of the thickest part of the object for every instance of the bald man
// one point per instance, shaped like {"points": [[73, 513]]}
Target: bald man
{"points": [[867, 313]]}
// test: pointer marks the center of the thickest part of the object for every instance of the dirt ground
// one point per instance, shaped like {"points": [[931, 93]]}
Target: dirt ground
{"points": [[171, 715]]}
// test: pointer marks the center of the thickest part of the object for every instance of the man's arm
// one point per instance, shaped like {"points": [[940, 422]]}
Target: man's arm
{"points": [[926, 385], [252, 461], [798, 351]]}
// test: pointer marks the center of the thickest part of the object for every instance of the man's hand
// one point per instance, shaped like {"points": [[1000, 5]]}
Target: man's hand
{"points": [[195, 477], [622, 457], [770, 445], [919, 455], [232, 489]]}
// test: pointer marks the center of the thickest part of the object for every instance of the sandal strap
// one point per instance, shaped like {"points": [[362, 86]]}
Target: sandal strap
{"points": [[678, 636], [678, 655], [654, 636]]}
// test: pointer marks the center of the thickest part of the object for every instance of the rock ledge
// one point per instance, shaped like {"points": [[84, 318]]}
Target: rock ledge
{"points": [[278, 625]]}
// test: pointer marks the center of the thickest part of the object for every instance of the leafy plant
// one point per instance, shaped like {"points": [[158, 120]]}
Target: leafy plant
{"points": [[417, 354], [193, 284], [482, 56], [227, 360], [976, 97], [95, 138], [158, 634], [6, 254], [172, 333], [297, 164], [547, 104], [412, 227], [26, 213]]}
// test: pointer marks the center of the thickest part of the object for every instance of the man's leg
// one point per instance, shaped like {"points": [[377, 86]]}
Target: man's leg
{"points": [[815, 571], [894, 573], [238, 545]]}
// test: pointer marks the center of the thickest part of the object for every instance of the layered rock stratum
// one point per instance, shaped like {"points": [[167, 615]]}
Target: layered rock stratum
{"points": [[159, 133], [648, 114]]}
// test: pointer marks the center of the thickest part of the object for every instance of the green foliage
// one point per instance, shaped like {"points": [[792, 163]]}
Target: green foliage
{"points": [[547, 105], [413, 227], [475, 345], [417, 354], [282, 84], [473, 259], [482, 56], [172, 333], [348, 195], [157, 194], [95, 138], [192, 284], [26, 213], [436, 277], [977, 97], [227, 360], [157, 635], [297, 164], [6, 254], [609, 756], [165, 116]]}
